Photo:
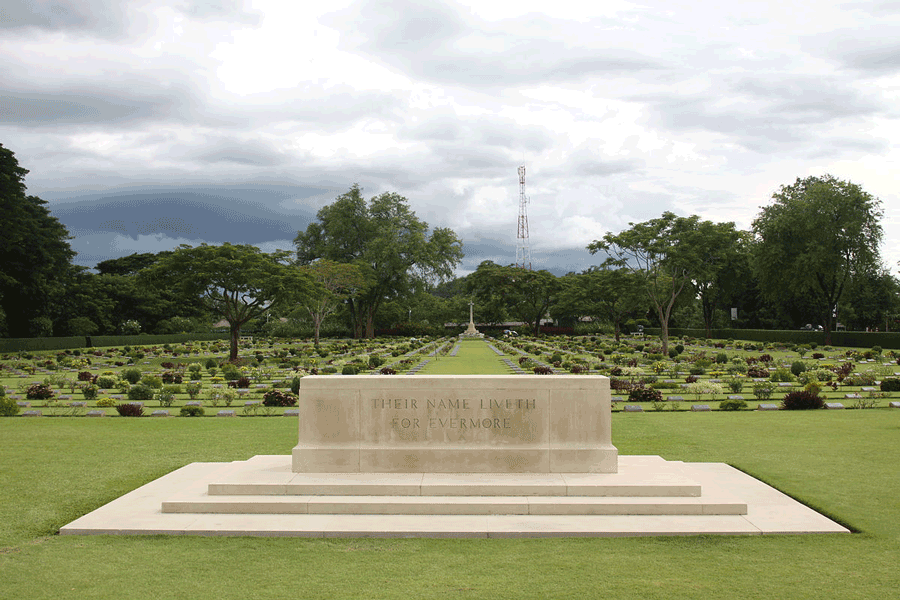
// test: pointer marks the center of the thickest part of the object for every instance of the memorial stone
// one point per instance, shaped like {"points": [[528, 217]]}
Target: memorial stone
{"points": [[894, 404], [700, 407], [834, 405], [454, 424], [768, 407]]}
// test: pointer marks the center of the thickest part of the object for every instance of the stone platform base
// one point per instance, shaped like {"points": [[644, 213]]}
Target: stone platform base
{"points": [[263, 497]]}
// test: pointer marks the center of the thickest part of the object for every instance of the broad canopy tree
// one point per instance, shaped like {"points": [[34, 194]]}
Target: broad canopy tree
{"points": [[668, 254], [236, 282], [387, 242], [813, 239], [524, 294]]}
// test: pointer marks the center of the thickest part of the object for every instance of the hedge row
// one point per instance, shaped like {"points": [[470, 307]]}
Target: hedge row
{"points": [[850, 339], [98, 341]]}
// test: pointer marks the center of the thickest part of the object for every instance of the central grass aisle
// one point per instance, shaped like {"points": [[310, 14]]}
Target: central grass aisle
{"points": [[473, 358]]}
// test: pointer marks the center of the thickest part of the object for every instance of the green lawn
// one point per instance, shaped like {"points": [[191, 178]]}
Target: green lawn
{"points": [[474, 358], [843, 462]]}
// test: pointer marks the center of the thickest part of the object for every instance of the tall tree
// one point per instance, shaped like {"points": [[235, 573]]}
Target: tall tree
{"points": [[333, 284], [724, 244], [237, 282], [35, 256], [612, 295], [668, 254], [386, 240], [817, 234]]}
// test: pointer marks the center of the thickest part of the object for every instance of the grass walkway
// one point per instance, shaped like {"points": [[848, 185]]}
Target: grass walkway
{"points": [[473, 358]]}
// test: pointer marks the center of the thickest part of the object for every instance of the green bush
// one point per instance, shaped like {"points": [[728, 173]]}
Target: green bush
{"points": [[763, 390], [193, 389], [8, 407], [735, 384], [192, 411], [349, 370], [375, 362], [152, 381], [140, 392], [732, 405], [797, 367], [890, 385], [105, 403], [132, 376], [781, 375], [802, 400], [106, 382], [89, 391], [721, 358]]}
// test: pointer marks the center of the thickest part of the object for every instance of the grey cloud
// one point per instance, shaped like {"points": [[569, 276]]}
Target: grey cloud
{"points": [[764, 112], [110, 18], [478, 130], [77, 106], [429, 42], [874, 50], [103, 17]]}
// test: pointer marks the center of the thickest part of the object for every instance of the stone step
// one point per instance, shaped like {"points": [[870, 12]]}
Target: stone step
{"points": [[638, 477], [453, 505]]}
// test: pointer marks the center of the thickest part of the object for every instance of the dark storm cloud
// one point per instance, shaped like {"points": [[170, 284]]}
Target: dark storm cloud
{"points": [[439, 42], [239, 214]]}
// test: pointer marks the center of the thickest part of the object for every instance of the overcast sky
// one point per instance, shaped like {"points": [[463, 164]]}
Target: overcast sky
{"points": [[152, 123]]}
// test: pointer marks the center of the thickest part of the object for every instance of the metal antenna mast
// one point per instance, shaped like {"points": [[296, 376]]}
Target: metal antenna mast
{"points": [[523, 252]]}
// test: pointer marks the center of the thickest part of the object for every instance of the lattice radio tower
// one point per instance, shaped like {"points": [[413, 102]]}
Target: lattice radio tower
{"points": [[523, 251]]}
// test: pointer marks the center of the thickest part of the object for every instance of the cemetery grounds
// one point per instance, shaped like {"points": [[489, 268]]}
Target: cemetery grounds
{"points": [[63, 464]]}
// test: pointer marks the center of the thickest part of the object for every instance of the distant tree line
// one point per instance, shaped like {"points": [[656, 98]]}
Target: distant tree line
{"points": [[811, 257]]}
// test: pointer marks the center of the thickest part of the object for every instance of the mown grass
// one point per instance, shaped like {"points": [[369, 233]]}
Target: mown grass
{"points": [[56, 469], [474, 357]]}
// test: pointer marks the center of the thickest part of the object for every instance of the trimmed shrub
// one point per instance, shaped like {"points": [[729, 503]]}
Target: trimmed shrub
{"points": [[349, 370], [140, 393], [8, 407], [781, 376], [279, 398], [797, 367], [193, 389], [732, 405], [192, 411], [39, 391], [130, 410], [721, 358], [542, 370], [85, 376], [89, 391], [387, 371], [642, 394], [375, 362], [106, 403], [106, 382], [132, 376], [802, 400], [890, 385]]}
